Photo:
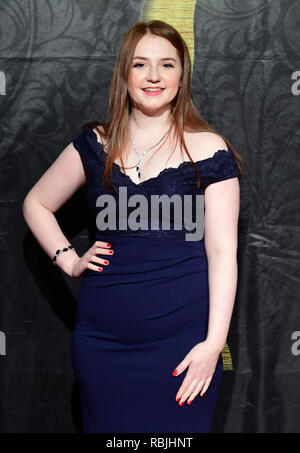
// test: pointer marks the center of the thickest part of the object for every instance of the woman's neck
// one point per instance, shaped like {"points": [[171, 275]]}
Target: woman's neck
{"points": [[141, 125]]}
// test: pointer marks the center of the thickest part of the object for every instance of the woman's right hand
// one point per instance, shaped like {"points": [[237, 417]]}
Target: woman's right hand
{"points": [[86, 261]]}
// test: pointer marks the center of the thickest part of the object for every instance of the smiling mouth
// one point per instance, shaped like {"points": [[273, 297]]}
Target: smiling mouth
{"points": [[152, 90]]}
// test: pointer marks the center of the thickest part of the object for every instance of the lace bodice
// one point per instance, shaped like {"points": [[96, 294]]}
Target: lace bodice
{"points": [[170, 181]]}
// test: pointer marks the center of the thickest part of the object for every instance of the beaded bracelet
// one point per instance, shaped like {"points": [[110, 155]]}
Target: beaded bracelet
{"points": [[58, 252]]}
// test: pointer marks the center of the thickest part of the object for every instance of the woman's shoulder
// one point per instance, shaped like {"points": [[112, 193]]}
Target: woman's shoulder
{"points": [[100, 133], [204, 145], [87, 142]]}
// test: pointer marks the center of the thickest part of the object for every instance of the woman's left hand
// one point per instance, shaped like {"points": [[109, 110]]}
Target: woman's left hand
{"points": [[201, 360]]}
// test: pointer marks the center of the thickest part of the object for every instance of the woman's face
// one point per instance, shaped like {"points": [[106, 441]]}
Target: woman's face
{"points": [[155, 64]]}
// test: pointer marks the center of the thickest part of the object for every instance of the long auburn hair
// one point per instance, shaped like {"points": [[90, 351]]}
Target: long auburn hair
{"points": [[184, 115]]}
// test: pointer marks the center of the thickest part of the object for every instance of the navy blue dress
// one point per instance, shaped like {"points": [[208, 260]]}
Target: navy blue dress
{"points": [[138, 318]]}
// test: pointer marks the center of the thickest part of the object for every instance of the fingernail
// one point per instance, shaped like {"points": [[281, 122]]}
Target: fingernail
{"points": [[100, 268], [108, 245], [189, 402], [105, 262], [178, 399], [180, 404], [111, 252], [175, 372]]}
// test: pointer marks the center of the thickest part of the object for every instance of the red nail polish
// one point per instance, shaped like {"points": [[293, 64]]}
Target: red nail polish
{"points": [[175, 372], [180, 404], [108, 245], [105, 262], [111, 252], [178, 399], [100, 268], [189, 402]]}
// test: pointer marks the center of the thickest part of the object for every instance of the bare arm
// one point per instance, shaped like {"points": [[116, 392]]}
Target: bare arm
{"points": [[222, 202], [62, 179]]}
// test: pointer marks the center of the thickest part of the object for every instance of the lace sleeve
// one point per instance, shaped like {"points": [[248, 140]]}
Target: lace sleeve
{"points": [[81, 145], [222, 166]]}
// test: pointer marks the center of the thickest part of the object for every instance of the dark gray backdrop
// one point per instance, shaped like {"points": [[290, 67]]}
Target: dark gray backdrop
{"points": [[56, 62]]}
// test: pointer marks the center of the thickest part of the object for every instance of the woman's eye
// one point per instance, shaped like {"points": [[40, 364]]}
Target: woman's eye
{"points": [[141, 64]]}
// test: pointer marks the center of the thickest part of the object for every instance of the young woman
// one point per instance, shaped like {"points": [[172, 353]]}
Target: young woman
{"points": [[154, 305]]}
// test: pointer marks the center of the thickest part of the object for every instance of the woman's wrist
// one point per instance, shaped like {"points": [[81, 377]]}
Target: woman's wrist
{"points": [[66, 261], [215, 345]]}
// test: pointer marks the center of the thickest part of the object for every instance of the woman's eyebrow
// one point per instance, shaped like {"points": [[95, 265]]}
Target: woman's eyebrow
{"points": [[162, 59]]}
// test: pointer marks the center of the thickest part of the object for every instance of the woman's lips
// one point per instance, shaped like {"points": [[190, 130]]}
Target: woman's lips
{"points": [[153, 93]]}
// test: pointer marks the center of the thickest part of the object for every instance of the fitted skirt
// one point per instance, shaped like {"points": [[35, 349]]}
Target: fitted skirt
{"points": [[135, 322]]}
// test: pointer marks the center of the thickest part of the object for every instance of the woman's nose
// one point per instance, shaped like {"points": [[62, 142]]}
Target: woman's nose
{"points": [[153, 75]]}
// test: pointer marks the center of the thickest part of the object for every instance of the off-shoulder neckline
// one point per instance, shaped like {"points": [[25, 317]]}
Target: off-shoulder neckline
{"points": [[162, 172]]}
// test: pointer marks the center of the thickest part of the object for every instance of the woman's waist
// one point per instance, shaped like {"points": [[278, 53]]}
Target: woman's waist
{"points": [[160, 257]]}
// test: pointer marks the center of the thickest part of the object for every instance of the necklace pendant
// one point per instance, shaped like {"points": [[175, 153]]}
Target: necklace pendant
{"points": [[140, 156]]}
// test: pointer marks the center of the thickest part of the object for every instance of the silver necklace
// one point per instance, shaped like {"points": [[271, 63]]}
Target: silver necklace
{"points": [[141, 155]]}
